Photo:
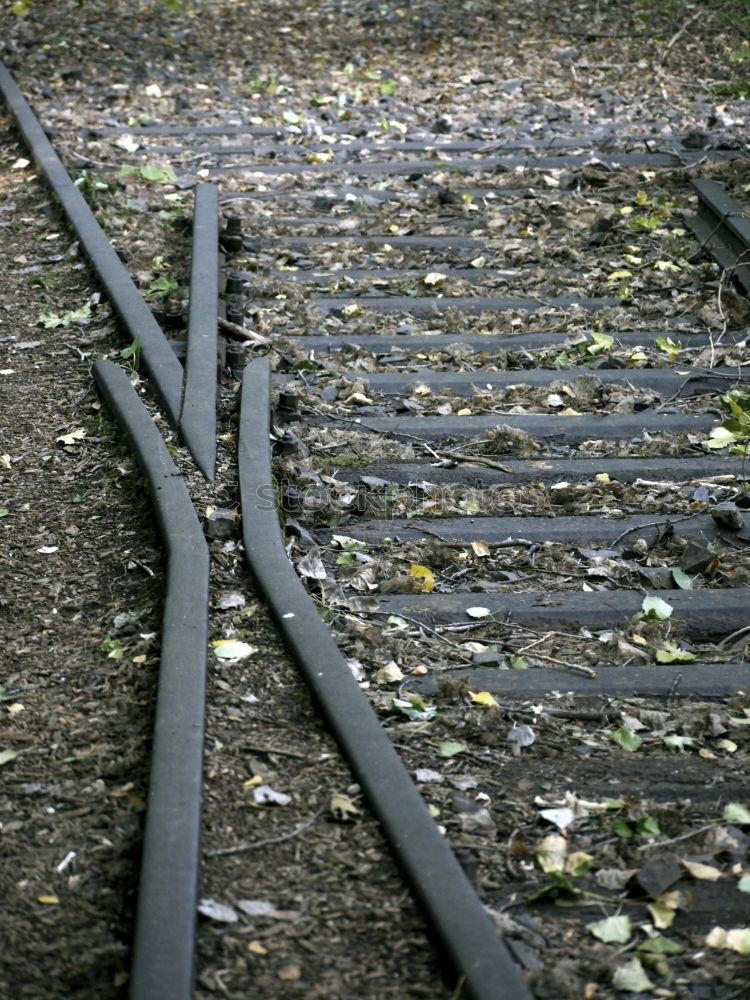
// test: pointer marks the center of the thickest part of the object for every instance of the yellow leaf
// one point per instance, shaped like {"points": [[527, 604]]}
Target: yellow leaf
{"points": [[483, 698], [602, 477], [569, 412], [51, 900], [706, 754], [140, 659], [616, 275], [426, 575], [252, 782], [4, 461], [639, 639], [639, 356], [663, 916], [15, 708], [257, 948], [480, 548], [463, 413]]}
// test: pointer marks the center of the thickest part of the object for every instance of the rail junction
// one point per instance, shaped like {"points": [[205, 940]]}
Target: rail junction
{"points": [[463, 479]]}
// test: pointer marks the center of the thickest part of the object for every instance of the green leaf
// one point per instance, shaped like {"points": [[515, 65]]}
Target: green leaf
{"points": [[744, 884], [165, 285], [449, 748], [678, 743], [654, 609], [347, 543], [672, 653], [631, 978], [736, 812], [561, 891], [158, 175], [626, 738], [4, 512], [659, 945], [346, 559], [621, 828], [519, 662], [647, 824], [6, 756], [610, 929], [681, 578], [414, 709], [601, 342]]}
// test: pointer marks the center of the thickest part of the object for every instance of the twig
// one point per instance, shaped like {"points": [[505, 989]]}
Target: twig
{"points": [[490, 463], [240, 333], [735, 635], [588, 671], [421, 625], [239, 848], [675, 840], [680, 32], [655, 524]]}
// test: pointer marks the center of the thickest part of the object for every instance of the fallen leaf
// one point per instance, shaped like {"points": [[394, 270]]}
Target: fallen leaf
{"points": [[626, 739], [560, 818], [343, 808], [449, 748], [521, 734], [6, 756], [478, 612], [737, 939], [73, 438], [389, 673], [631, 978], [617, 929], [484, 698], [232, 649], [49, 900], [551, 853], [425, 577], [706, 873], [221, 912], [736, 812], [480, 549], [264, 795]]}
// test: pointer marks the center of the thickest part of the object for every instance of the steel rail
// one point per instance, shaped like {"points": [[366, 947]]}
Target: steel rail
{"points": [[164, 949], [160, 361], [198, 417], [475, 948], [723, 227]]}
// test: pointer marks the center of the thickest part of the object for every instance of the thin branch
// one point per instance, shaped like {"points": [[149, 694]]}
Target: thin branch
{"points": [[239, 848]]}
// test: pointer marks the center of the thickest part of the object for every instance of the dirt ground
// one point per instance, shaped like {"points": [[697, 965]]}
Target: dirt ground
{"points": [[641, 832]]}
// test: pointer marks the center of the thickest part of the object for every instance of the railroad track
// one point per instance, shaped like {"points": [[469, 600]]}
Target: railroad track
{"points": [[458, 463]]}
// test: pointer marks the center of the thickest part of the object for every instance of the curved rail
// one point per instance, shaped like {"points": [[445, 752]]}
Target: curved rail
{"points": [[163, 965], [161, 363], [435, 874]]}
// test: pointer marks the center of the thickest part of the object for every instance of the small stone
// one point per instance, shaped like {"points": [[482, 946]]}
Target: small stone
{"points": [[726, 515], [659, 873], [220, 524], [489, 658], [695, 558], [658, 577]]}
